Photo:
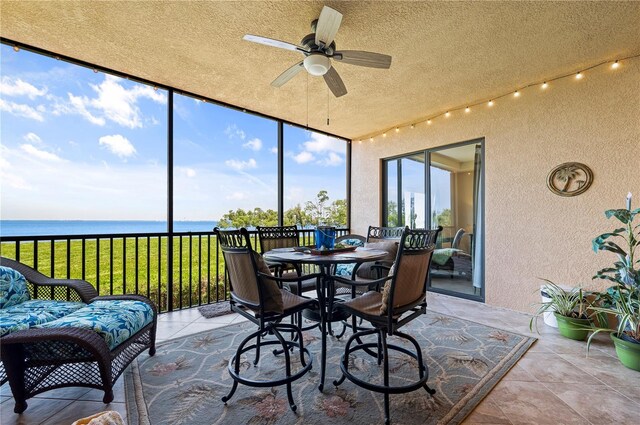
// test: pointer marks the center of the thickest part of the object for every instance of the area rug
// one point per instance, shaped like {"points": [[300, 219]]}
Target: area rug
{"points": [[214, 310], [184, 381]]}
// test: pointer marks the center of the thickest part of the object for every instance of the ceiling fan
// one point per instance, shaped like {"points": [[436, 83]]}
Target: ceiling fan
{"points": [[319, 48]]}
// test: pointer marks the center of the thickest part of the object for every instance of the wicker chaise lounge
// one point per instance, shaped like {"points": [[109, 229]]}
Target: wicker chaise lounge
{"points": [[45, 347]]}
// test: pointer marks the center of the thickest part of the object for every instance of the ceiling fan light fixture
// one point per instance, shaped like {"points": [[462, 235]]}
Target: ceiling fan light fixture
{"points": [[317, 64]]}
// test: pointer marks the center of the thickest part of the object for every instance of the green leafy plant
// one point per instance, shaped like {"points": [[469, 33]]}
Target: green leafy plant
{"points": [[569, 303], [626, 306], [622, 242], [623, 299]]}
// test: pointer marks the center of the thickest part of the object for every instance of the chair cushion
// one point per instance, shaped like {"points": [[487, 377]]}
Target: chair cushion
{"points": [[367, 304], [272, 294], [345, 270], [352, 242], [441, 256], [365, 271], [13, 287], [34, 312], [114, 320]]}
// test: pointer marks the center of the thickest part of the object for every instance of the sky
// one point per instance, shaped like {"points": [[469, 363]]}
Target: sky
{"points": [[82, 145]]}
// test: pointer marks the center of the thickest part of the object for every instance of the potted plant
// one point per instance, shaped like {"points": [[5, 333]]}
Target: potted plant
{"points": [[570, 309], [623, 299], [626, 337]]}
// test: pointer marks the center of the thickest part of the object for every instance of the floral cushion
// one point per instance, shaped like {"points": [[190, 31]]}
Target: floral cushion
{"points": [[114, 320], [345, 270], [13, 287], [352, 242], [34, 312]]}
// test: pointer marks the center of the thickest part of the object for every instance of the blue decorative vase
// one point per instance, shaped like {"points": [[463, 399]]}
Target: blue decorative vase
{"points": [[325, 237]]}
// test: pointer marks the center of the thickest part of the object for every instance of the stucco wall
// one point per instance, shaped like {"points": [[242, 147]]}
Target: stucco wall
{"points": [[530, 232]]}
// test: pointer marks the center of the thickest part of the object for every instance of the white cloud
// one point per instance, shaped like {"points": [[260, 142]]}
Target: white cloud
{"points": [[16, 87], [332, 160], [20, 110], [236, 196], [187, 171], [241, 165], [118, 145], [232, 131], [253, 144], [303, 157], [321, 143], [32, 138], [114, 102], [40, 154], [274, 150], [328, 151]]}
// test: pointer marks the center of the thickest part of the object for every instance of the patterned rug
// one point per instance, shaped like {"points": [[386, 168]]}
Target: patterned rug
{"points": [[184, 381]]}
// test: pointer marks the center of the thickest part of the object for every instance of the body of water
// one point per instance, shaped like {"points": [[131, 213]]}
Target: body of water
{"points": [[86, 227]]}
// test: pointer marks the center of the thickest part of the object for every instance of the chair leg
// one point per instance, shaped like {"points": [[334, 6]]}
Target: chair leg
{"points": [[421, 366], [382, 341], [257, 359], [344, 330], [236, 363], [287, 358]]}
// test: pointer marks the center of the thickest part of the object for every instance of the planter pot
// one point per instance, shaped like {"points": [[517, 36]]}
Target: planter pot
{"points": [[628, 352], [573, 328]]}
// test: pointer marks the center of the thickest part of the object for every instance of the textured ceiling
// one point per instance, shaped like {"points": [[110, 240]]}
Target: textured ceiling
{"points": [[445, 54]]}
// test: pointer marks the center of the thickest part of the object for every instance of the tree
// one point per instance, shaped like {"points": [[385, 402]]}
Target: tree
{"points": [[444, 218], [317, 210], [241, 218], [337, 214], [313, 213], [392, 214], [296, 215]]}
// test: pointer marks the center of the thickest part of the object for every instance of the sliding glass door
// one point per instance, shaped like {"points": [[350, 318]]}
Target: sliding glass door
{"points": [[454, 200], [405, 204]]}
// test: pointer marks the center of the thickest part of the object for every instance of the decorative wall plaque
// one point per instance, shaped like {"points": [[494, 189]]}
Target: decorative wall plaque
{"points": [[570, 179]]}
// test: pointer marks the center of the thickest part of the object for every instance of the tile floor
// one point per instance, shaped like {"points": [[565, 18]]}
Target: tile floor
{"points": [[554, 383]]}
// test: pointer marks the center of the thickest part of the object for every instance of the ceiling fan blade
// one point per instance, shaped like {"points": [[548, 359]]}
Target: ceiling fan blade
{"points": [[273, 43], [360, 58], [288, 74], [335, 83], [327, 26]]}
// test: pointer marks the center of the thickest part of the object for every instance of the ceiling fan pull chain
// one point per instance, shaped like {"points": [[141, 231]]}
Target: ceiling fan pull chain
{"points": [[328, 99], [307, 100]]}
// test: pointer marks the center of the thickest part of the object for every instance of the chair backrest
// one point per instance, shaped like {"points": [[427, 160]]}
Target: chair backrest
{"points": [[243, 266], [455, 243], [378, 234], [278, 237], [351, 239], [408, 287]]}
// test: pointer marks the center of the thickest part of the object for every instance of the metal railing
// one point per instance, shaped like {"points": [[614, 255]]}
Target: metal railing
{"points": [[137, 263]]}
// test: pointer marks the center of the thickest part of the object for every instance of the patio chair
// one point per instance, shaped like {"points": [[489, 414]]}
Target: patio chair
{"points": [[384, 238], [402, 300], [275, 237], [64, 334], [258, 295]]}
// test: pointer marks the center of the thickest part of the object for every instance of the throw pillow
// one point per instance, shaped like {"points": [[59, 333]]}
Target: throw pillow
{"points": [[386, 290], [273, 302], [13, 287], [365, 271]]}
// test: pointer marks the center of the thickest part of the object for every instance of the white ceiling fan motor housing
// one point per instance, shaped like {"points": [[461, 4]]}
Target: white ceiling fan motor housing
{"points": [[317, 64]]}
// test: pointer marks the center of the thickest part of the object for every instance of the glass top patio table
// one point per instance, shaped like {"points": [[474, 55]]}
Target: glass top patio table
{"points": [[325, 299]]}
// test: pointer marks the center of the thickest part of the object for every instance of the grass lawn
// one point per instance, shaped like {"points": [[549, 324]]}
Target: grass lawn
{"points": [[198, 267]]}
